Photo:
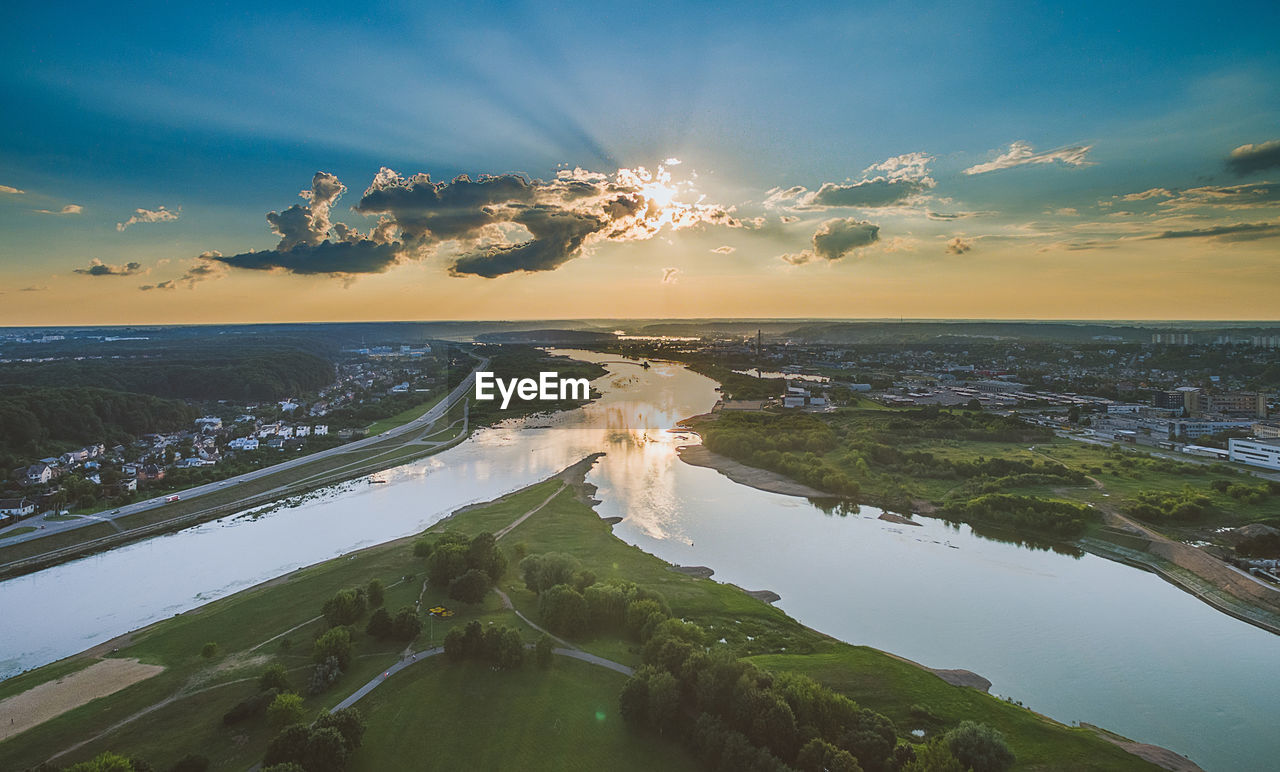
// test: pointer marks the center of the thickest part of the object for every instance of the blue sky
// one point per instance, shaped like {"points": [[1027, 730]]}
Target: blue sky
{"points": [[222, 114]]}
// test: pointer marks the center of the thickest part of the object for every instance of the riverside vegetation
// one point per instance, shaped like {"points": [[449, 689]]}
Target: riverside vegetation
{"points": [[722, 680]]}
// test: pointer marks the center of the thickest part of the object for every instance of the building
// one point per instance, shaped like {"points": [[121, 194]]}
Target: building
{"points": [[208, 424], [997, 387], [1255, 452], [1194, 429], [17, 508], [39, 474], [1266, 431], [1251, 403]]}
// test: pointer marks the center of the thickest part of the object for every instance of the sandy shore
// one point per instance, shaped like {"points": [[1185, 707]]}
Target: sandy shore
{"points": [[41, 703], [761, 479]]}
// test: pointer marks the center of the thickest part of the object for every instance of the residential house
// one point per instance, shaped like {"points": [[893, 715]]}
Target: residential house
{"points": [[39, 474], [17, 508]]}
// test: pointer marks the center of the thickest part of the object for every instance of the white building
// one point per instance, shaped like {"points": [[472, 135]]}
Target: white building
{"points": [[1255, 452], [320, 430]]}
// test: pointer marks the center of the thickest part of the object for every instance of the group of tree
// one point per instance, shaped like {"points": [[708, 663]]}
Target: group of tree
{"points": [[466, 566], [792, 444], [733, 715], [40, 420], [332, 650], [324, 746], [1006, 510], [1263, 545], [234, 374], [1184, 506], [500, 646], [571, 603]]}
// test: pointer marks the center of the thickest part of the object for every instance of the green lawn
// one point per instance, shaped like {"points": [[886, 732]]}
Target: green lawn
{"points": [[17, 531], [405, 416], [441, 715]]}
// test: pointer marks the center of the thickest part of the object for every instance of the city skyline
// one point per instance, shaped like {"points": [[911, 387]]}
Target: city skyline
{"points": [[952, 161]]}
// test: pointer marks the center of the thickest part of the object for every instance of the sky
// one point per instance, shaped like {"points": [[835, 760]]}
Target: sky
{"points": [[380, 161]]}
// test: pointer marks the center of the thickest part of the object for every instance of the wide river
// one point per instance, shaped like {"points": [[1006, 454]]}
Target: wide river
{"points": [[1079, 639]]}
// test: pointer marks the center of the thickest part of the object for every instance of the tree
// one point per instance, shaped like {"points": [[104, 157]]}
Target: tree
{"points": [[563, 610], [820, 756], [326, 750], [979, 747], [334, 642], [664, 702], [542, 651], [455, 644], [445, 562], [349, 723], [633, 703], [346, 607], [934, 756], [379, 626], [209, 650], [104, 762], [542, 572], [375, 592], [275, 677], [470, 587], [288, 766], [406, 625], [285, 709], [288, 746], [510, 649]]}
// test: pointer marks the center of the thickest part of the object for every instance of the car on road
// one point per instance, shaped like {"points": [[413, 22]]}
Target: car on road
{"points": [[115, 511]]}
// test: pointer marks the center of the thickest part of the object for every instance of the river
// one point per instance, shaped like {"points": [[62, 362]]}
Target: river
{"points": [[1076, 638]]}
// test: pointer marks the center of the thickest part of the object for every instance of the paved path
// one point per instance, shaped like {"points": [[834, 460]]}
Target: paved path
{"points": [[416, 657]]}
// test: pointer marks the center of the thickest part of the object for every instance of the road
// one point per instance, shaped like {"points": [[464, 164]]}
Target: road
{"points": [[420, 423]]}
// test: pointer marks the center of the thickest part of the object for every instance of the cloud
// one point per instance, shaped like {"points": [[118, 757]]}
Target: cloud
{"points": [[35, 288], [1022, 154], [148, 215], [207, 266], [1247, 159], [98, 268], [494, 224], [11, 190], [901, 179], [724, 250], [958, 245], [327, 257], [1234, 232], [670, 275], [836, 239], [68, 209], [901, 244], [1148, 195], [1246, 196]]}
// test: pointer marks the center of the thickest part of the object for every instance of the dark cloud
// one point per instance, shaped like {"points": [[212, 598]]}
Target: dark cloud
{"points": [[1248, 159], [836, 239], [327, 257], [98, 268], [448, 210], [1236, 232], [867, 194], [558, 236], [958, 246]]}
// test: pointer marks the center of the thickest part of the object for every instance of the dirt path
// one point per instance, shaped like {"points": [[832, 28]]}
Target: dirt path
{"points": [[530, 513], [48, 700]]}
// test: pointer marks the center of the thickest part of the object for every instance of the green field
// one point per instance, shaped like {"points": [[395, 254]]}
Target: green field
{"points": [[467, 711], [563, 718], [405, 416], [17, 531]]}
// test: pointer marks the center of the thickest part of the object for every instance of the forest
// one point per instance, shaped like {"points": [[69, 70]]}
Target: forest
{"points": [[36, 420]]}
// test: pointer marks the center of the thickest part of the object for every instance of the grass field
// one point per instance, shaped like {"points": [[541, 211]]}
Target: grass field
{"points": [[469, 712], [405, 416], [17, 531], [562, 718]]}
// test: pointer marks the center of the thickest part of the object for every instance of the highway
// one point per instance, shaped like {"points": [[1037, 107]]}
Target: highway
{"points": [[47, 527]]}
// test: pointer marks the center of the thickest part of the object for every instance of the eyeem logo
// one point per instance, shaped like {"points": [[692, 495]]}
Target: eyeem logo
{"points": [[548, 387]]}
